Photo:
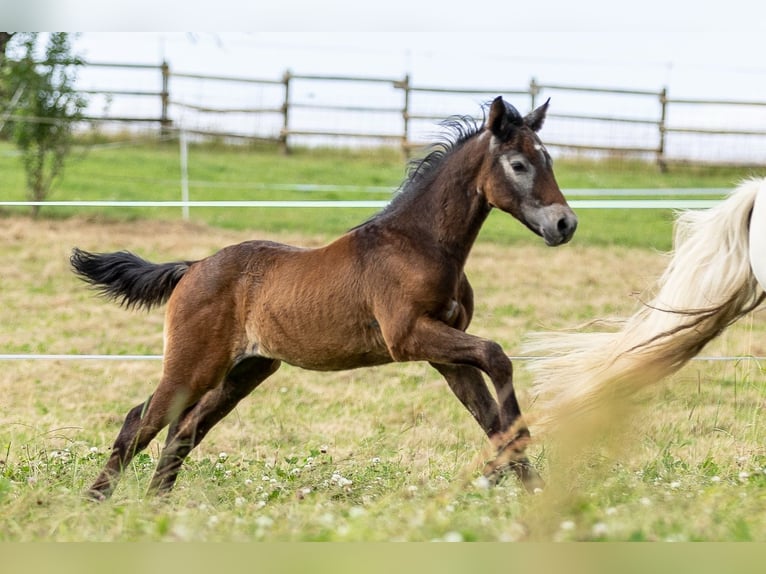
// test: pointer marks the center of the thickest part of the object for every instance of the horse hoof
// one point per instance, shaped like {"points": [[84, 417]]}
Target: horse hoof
{"points": [[534, 485], [94, 495], [496, 471]]}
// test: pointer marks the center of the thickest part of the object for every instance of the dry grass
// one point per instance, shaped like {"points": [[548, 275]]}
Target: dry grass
{"points": [[410, 450]]}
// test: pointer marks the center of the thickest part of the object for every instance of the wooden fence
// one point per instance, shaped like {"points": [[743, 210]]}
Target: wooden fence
{"points": [[404, 109]]}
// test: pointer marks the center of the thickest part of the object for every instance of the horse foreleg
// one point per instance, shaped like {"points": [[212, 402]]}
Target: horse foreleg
{"points": [[189, 430], [428, 339], [512, 443], [469, 387]]}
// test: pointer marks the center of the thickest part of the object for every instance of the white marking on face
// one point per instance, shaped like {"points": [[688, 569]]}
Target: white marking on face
{"points": [[519, 171]]}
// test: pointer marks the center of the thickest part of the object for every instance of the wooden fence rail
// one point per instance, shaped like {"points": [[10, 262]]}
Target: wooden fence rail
{"points": [[407, 104]]}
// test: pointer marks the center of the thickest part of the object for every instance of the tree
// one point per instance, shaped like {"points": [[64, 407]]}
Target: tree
{"points": [[47, 108], [5, 38]]}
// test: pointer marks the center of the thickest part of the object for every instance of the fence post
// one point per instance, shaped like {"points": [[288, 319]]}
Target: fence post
{"points": [[405, 85], [184, 173], [534, 90], [283, 144], [663, 115], [165, 96]]}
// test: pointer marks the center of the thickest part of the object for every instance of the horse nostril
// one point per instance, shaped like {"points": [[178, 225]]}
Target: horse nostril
{"points": [[567, 225]]}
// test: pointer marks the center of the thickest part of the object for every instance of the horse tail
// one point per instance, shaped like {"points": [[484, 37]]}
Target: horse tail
{"points": [[128, 279], [708, 284]]}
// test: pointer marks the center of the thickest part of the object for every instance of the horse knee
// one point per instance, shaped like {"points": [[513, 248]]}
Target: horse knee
{"points": [[499, 366]]}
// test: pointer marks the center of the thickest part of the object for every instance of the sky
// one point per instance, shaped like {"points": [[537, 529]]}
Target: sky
{"points": [[712, 51], [692, 46]]}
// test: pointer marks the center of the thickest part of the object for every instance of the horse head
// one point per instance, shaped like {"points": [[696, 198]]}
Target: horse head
{"points": [[517, 175]]}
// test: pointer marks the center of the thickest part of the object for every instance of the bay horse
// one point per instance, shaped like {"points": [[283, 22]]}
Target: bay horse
{"points": [[716, 275], [390, 289]]}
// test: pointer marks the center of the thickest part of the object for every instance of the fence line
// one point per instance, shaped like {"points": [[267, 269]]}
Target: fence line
{"points": [[361, 203], [285, 104], [96, 357]]}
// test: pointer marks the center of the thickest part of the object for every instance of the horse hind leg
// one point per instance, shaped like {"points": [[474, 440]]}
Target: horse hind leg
{"points": [[123, 450], [141, 425], [194, 424], [176, 392]]}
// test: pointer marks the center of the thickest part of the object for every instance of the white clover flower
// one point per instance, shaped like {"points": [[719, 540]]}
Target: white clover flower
{"points": [[340, 480], [481, 483], [600, 529], [264, 521], [453, 536], [303, 492]]}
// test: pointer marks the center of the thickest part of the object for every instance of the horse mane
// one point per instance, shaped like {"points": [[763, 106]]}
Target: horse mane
{"points": [[421, 171], [458, 130]]}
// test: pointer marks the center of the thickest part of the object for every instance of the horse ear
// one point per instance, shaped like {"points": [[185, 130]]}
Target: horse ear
{"points": [[503, 118], [536, 118]]}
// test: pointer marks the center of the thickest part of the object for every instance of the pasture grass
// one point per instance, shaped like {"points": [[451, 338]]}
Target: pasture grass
{"points": [[145, 169], [375, 455], [380, 454]]}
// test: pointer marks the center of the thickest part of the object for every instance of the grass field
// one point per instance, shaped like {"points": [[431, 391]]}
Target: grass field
{"points": [[148, 170], [372, 455]]}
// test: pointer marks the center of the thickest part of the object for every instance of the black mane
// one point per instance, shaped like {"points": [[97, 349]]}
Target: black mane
{"points": [[459, 130]]}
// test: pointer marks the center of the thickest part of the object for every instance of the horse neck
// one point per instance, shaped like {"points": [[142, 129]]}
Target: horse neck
{"points": [[450, 208]]}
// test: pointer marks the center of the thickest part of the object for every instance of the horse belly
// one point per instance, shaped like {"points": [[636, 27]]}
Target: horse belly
{"points": [[324, 354], [307, 308], [317, 341]]}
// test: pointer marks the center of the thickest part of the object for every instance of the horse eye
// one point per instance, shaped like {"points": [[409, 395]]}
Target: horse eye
{"points": [[518, 167]]}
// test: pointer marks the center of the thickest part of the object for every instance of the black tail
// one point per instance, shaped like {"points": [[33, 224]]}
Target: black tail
{"points": [[127, 278]]}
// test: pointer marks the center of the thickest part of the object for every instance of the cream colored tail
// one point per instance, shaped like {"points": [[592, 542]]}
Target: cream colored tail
{"points": [[707, 285]]}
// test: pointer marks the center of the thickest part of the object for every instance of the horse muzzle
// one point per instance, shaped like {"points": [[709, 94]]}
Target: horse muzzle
{"points": [[556, 224]]}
